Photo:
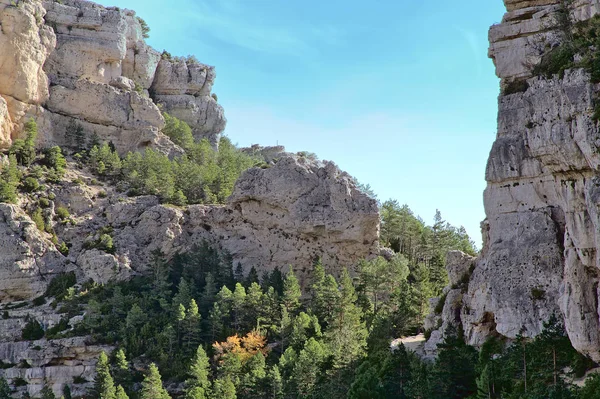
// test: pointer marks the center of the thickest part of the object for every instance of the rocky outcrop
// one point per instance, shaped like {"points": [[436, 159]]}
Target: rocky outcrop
{"points": [[541, 235], [289, 213], [28, 260], [183, 89], [25, 43], [75, 61]]}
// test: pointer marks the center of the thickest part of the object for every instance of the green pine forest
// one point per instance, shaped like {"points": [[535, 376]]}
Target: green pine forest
{"points": [[199, 327]]}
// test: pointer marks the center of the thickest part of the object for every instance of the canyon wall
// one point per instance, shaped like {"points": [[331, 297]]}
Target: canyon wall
{"points": [[540, 251]]}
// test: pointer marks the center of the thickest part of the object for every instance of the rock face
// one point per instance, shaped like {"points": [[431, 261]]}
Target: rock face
{"points": [[76, 62], [287, 214], [27, 259], [541, 235], [184, 90]]}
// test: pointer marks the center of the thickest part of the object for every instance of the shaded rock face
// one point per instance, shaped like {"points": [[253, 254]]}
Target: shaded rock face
{"points": [[540, 254], [75, 61]]}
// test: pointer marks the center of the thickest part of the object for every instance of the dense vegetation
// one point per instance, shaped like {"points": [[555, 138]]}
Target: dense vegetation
{"points": [[201, 175], [198, 322], [424, 247]]}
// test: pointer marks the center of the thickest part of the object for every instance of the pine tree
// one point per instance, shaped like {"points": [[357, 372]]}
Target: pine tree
{"points": [[274, 384], [254, 307], [291, 292], [121, 369], [396, 373], [307, 368], [253, 376], [191, 337], [152, 387], [209, 294], [224, 389], [347, 333], [215, 320], [454, 375], [121, 393], [198, 385], [104, 385], [238, 304], [9, 181], [238, 274], [66, 392], [252, 277], [183, 296], [160, 275]]}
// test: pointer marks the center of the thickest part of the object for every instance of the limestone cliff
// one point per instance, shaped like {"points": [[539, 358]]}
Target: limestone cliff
{"points": [[76, 61], [542, 231]]}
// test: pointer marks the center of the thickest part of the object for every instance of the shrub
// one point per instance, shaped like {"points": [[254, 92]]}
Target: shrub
{"points": [[63, 248], [537, 294], [39, 301], [78, 379], [38, 219], [62, 325], [439, 308], [60, 284], [44, 202], [515, 86], [24, 150], [31, 184], [556, 61], [24, 364], [178, 131], [9, 180], [62, 213], [19, 382], [145, 28], [54, 159], [104, 243], [33, 330], [102, 194]]}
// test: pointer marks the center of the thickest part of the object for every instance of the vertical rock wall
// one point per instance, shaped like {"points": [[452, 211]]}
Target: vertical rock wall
{"points": [[540, 254]]}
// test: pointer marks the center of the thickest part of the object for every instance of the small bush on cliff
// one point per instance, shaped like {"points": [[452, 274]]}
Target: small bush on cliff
{"points": [[145, 28], [32, 331], [30, 185], [24, 150], [38, 219], [60, 284], [9, 181], [62, 213]]}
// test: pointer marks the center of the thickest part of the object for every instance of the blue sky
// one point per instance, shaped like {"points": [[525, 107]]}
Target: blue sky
{"points": [[399, 93]]}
